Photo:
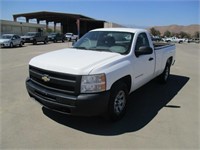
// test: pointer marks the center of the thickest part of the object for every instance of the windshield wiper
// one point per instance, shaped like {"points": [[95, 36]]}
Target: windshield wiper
{"points": [[80, 48], [101, 50]]}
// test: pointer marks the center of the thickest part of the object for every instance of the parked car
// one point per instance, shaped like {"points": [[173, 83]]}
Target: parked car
{"points": [[71, 37], [97, 74], [174, 39], [10, 40], [55, 37], [35, 37]]}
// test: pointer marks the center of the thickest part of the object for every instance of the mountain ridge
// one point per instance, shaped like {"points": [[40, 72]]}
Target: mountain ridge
{"points": [[191, 29]]}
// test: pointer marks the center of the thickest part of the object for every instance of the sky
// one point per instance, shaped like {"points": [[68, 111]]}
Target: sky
{"points": [[143, 13]]}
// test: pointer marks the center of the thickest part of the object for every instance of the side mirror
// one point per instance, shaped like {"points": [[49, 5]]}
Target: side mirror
{"points": [[143, 50]]}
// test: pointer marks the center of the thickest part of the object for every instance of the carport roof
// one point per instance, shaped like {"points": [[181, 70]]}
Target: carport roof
{"points": [[53, 16]]}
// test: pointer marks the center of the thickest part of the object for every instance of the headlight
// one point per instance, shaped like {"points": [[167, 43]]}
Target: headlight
{"points": [[93, 83]]}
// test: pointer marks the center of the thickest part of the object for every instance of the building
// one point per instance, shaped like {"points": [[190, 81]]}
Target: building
{"points": [[75, 23], [19, 28]]}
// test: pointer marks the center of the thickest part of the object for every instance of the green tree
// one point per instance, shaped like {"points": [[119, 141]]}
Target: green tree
{"points": [[183, 35], [196, 34], [167, 33], [154, 32]]}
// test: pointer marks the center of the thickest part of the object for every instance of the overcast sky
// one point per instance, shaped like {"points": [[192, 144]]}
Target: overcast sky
{"points": [[126, 12]]}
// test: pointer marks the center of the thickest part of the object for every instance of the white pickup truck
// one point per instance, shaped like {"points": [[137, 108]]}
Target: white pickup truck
{"points": [[71, 37], [174, 39], [97, 74]]}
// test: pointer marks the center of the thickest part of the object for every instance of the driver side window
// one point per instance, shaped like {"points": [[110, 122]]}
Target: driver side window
{"points": [[142, 40]]}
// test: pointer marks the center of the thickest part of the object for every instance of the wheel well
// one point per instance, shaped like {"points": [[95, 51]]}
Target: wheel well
{"points": [[126, 80], [169, 60]]}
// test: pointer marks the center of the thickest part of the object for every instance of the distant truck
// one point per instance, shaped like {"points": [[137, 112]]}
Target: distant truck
{"points": [[97, 74], [34, 37], [55, 37], [71, 37], [174, 39]]}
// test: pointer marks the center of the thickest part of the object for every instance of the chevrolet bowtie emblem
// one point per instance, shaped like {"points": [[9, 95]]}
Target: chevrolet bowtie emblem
{"points": [[45, 78]]}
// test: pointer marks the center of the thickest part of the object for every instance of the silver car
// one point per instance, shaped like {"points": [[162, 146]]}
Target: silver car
{"points": [[10, 40]]}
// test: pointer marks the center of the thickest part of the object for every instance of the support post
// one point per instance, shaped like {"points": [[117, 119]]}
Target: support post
{"points": [[54, 29]]}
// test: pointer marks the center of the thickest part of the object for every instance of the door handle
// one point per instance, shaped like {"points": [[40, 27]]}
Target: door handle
{"points": [[150, 59]]}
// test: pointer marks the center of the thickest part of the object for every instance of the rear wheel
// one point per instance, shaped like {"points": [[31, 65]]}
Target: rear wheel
{"points": [[45, 41], [118, 101], [165, 75], [34, 42]]}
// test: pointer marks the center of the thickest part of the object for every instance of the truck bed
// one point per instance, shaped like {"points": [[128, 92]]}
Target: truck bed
{"points": [[159, 45]]}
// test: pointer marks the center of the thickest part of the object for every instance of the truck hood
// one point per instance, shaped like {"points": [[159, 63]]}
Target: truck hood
{"points": [[4, 40], [72, 61]]}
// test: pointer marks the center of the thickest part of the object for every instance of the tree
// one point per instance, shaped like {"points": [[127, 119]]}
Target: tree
{"points": [[196, 34], [154, 32], [167, 33], [184, 35]]}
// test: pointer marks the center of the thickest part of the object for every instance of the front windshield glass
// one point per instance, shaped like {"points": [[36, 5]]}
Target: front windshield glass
{"points": [[110, 41], [6, 37]]}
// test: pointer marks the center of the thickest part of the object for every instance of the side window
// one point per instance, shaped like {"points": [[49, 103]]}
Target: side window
{"points": [[142, 40], [14, 37]]}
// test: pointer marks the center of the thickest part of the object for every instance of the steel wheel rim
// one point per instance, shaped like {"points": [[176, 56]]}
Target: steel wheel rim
{"points": [[119, 102]]}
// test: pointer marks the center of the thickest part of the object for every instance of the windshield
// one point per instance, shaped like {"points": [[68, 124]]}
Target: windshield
{"points": [[30, 34], [6, 37], [110, 41], [68, 34]]}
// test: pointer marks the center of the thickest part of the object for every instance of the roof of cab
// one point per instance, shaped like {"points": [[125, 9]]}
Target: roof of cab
{"points": [[133, 30]]}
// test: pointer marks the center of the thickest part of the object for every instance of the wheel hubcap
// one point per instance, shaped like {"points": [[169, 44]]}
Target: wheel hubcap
{"points": [[120, 101]]}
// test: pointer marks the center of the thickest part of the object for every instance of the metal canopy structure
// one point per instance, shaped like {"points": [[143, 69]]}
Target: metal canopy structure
{"points": [[75, 23]]}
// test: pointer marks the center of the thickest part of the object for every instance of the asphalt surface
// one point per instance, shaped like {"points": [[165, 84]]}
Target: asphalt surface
{"points": [[158, 116]]}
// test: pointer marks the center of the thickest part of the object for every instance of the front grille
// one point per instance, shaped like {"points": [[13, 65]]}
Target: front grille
{"points": [[59, 82]]}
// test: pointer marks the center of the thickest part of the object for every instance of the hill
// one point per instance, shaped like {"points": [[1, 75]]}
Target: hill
{"points": [[191, 29]]}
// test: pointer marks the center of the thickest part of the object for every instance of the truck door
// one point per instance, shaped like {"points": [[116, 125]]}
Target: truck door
{"points": [[144, 64]]}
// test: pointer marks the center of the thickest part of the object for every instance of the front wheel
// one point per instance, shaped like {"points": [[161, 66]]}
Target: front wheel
{"points": [[11, 45], [118, 101]]}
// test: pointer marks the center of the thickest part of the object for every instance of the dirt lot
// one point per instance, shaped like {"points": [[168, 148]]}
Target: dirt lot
{"points": [[158, 116]]}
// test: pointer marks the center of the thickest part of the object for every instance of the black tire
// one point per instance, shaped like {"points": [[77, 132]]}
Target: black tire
{"points": [[11, 45], [34, 42], [163, 78], [21, 44], [45, 41], [118, 101], [63, 40]]}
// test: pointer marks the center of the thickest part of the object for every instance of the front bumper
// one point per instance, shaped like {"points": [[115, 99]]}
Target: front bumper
{"points": [[5, 44], [81, 105]]}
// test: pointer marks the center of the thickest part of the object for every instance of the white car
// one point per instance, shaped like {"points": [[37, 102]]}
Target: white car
{"points": [[10, 40]]}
